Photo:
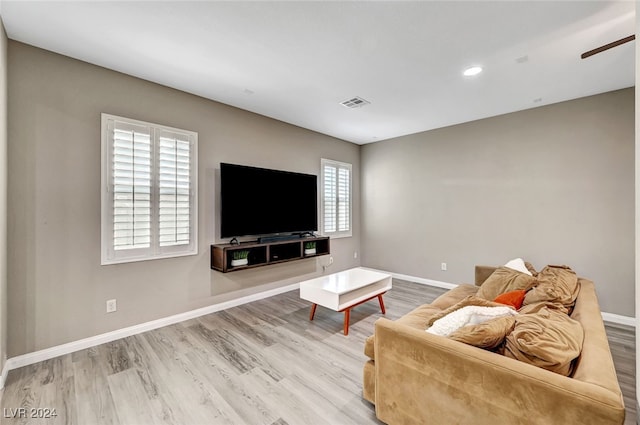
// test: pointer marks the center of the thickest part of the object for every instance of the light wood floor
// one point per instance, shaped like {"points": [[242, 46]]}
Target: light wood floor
{"points": [[260, 363]]}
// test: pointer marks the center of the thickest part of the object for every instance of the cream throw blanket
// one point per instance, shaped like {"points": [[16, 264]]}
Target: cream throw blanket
{"points": [[469, 315]]}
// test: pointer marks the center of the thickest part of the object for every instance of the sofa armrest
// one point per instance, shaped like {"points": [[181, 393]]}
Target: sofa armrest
{"points": [[482, 273], [425, 378]]}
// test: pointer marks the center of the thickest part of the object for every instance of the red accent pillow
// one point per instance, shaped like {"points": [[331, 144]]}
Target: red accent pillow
{"points": [[512, 298]]}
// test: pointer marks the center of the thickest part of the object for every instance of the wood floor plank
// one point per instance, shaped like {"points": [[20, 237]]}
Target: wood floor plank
{"points": [[116, 355], [27, 392], [245, 400], [64, 397], [285, 403], [229, 319], [152, 375], [243, 340], [130, 399], [191, 395], [622, 342], [93, 399], [265, 313], [317, 400], [219, 340], [260, 363], [58, 397]]}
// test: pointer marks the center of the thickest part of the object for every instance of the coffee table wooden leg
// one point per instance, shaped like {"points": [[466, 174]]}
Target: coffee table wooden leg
{"points": [[381, 304], [347, 314], [313, 311]]}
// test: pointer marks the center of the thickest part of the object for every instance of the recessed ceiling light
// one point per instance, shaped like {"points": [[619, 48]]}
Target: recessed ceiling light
{"points": [[474, 70]]}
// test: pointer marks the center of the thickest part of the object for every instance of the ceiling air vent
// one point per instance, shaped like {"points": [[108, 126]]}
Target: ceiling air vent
{"points": [[356, 102]]}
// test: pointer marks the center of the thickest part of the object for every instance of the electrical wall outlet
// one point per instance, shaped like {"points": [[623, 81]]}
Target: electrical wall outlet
{"points": [[111, 306], [355, 254], [443, 267], [330, 260]]}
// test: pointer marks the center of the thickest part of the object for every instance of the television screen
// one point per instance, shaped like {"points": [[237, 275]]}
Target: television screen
{"points": [[259, 201]]}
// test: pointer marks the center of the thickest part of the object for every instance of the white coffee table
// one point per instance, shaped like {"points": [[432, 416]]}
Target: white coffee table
{"points": [[344, 290]]}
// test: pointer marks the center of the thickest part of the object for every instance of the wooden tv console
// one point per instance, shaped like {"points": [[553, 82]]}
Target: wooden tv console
{"points": [[263, 254]]}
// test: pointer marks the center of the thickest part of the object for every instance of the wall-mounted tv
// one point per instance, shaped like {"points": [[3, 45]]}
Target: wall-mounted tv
{"points": [[260, 201]]}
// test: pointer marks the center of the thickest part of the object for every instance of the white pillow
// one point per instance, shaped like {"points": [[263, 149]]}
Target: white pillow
{"points": [[469, 315], [518, 264]]}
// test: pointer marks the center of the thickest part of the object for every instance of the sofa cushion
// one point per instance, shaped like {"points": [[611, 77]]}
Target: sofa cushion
{"points": [[512, 298], [504, 280], [487, 335], [518, 264], [548, 339], [368, 347], [556, 284]]}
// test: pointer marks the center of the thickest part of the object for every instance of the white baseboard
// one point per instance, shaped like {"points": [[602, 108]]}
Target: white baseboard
{"points": [[3, 377], [59, 350], [415, 279], [607, 317], [618, 319]]}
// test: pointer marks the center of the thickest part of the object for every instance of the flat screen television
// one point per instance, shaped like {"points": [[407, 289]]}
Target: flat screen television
{"points": [[260, 201]]}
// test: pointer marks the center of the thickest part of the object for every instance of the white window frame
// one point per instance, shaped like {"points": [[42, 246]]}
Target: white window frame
{"points": [[109, 255], [324, 163]]}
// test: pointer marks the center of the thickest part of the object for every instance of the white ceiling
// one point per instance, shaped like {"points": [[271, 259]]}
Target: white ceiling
{"points": [[296, 61]]}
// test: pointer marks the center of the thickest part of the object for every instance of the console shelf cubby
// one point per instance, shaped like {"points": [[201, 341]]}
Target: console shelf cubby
{"points": [[262, 254]]}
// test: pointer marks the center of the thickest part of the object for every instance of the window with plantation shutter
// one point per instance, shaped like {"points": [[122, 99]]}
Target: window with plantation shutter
{"points": [[336, 198], [149, 187]]}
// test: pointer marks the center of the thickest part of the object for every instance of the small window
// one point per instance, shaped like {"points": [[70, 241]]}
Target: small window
{"points": [[336, 198], [149, 191]]}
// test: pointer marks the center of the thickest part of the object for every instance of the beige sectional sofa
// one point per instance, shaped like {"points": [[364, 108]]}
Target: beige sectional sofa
{"points": [[414, 377]]}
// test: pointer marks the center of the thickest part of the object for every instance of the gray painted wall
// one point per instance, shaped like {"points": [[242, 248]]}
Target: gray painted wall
{"points": [[57, 288], [3, 196], [554, 185]]}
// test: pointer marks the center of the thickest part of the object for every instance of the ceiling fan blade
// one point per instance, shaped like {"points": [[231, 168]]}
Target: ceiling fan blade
{"points": [[608, 46]]}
